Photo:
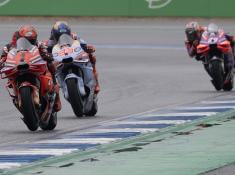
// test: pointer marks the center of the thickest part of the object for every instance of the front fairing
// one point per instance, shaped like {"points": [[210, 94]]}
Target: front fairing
{"points": [[213, 45], [70, 57], [31, 59]]}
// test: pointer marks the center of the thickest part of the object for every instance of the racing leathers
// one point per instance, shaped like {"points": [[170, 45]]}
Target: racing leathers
{"points": [[191, 46]]}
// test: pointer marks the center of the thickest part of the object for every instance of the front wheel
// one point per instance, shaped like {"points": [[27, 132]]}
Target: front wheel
{"points": [[217, 74], [75, 98], [28, 108]]}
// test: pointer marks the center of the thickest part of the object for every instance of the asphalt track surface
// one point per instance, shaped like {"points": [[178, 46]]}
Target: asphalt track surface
{"points": [[142, 66]]}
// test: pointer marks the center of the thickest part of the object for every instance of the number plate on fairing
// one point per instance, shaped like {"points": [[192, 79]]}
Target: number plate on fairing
{"points": [[67, 52]]}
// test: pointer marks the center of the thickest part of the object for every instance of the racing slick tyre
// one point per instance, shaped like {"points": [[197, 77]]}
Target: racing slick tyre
{"points": [[228, 86], [217, 74], [93, 110], [75, 98], [28, 109], [52, 122]]}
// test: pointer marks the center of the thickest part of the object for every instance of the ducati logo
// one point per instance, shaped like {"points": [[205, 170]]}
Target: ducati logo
{"points": [[4, 2], [157, 4]]}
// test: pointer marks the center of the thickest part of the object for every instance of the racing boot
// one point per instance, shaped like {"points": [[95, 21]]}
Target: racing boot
{"points": [[93, 62], [2, 61], [57, 104], [233, 52], [97, 86]]}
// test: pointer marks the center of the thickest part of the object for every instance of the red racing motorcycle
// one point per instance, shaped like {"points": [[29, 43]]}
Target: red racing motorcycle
{"points": [[30, 85], [213, 48]]}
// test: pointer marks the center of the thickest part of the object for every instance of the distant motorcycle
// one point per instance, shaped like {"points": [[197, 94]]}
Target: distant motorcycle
{"points": [[30, 85], [213, 47], [75, 76]]}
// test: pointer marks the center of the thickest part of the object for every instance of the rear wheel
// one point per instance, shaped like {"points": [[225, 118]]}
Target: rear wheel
{"points": [[28, 109], [229, 85], [93, 110], [217, 72], [52, 122], [75, 98]]}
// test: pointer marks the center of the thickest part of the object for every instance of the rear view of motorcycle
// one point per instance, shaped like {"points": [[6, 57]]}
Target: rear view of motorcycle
{"points": [[75, 76], [30, 86], [215, 50]]}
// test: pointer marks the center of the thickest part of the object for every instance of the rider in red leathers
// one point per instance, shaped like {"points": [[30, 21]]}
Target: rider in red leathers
{"points": [[62, 27], [30, 33], [193, 36]]}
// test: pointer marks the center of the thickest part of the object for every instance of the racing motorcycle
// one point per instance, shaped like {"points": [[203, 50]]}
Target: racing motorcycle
{"points": [[213, 48], [75, 75], [30, 85]]}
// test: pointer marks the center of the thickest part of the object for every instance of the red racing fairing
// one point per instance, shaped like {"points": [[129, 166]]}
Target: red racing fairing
{"points": [[20, 63], [213, 43]]}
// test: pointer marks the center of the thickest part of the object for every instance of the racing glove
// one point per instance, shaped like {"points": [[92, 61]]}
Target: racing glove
{"points": [[44, 53]]}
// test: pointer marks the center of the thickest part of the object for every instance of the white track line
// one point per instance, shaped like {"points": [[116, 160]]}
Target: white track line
{"points": [[218, 102], [81, 140], [181, 114], [8, 165], [151, 122], [206, 107], [140, 130], [55, 152]]}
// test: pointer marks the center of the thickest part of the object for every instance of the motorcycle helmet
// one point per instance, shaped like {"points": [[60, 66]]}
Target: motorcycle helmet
{"points": [[28, 32], [59, 28], [192, 30]]}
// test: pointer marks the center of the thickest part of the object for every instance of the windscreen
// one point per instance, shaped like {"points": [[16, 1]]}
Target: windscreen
{"points": [[65, 39], [23, 44], [213, 28]]}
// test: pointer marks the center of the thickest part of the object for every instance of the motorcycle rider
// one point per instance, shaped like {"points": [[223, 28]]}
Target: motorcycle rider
{"points": [[194, 33], [30, 33], [62, 27], [193, 36]]}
